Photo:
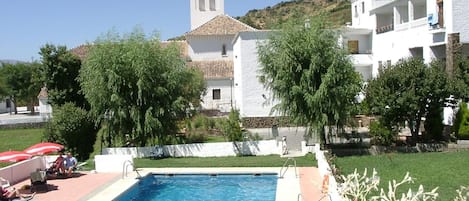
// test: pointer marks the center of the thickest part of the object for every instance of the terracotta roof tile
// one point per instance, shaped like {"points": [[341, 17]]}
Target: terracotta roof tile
{"points": [[81, 51], [220, 25], [217, 69]]}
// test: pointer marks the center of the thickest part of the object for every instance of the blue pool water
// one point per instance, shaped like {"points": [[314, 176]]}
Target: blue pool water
{"points": [[203, 187]]}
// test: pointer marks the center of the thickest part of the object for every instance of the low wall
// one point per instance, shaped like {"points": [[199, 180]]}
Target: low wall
{"points": [[22, 170], [113, 163], [263, 147], [325, 169]]}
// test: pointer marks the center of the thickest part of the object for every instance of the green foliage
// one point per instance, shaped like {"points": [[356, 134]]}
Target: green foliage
{"points": [[59, 72], [461, 78], [381, 135], [408, 91], [462, 122], [336, 12], [20, 83], [139, 87], [231, 128], [310, 75], [72, 127], [434, 125], [445, 170]]}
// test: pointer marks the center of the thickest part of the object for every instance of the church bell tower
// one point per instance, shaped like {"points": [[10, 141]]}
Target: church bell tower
{"points": [[203, 11]]}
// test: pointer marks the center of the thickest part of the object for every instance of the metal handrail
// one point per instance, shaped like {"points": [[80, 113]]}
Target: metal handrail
{"points": [[124, 167], [282, 171]]}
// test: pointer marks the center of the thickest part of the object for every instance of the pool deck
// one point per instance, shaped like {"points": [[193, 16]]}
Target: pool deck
{"points": [[107, 186]]}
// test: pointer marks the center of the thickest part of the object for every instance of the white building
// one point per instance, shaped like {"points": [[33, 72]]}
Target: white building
{"points": [[386, 31], [251, 98], [6, 105], [210, 49]]}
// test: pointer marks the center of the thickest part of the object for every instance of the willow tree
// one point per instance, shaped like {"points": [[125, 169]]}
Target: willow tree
{"points": [[138, 87], [311, 76]]}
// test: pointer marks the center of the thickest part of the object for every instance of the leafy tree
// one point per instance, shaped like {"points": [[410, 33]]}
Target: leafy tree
{"points": [[232, 128], [139, 87], [21, 83], [74, 128], [311, 75], [407, 92], [60, 69], [461, 78]]}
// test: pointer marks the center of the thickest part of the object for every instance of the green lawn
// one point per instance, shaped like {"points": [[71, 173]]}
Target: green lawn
{"points": [[18, 140], [446, 170], [247, 161]]}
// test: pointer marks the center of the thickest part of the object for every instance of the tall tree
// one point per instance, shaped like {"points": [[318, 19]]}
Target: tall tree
{"points": [[21, 83], [311, 75], [407, 92], [59, 73], [140, 87]]}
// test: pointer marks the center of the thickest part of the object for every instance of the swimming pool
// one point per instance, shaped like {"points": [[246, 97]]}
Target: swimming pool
{"points": [[203, 187]]}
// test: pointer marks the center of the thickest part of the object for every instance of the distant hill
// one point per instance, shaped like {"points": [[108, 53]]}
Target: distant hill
{"points": [[336, 12], [9, 61]]}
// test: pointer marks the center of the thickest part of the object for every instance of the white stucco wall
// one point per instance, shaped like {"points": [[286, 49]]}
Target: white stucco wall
{"points": [[209, 47], [219, 149], [251, 98], [460, 15], [226, 95], [359, 19], [199, 17]]}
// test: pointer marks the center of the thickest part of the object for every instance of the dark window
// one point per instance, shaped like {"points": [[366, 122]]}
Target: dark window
{"points": [[216, 94], [356, 11], [388, 63], [213, 6], [223, 50], [363, 7], [202, 5], [8, 103]]}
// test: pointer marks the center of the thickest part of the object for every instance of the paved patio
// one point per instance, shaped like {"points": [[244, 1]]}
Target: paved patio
{"points": [[80, 187], [86, 185]]}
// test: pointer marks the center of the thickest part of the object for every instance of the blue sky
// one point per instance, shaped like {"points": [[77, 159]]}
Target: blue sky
{"points": [[26, 25]]}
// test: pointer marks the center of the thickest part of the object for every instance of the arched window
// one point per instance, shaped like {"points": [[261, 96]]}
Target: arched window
{"points": [[223, 50], [213, 6], [202, 5]]}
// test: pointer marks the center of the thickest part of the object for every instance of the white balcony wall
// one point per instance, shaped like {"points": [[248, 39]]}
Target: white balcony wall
{"points": [[210, 47]]}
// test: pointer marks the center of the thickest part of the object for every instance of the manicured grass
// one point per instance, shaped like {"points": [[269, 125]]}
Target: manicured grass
{"points": [[246, 161], [446, 170], [215, 138], [18, 140]]}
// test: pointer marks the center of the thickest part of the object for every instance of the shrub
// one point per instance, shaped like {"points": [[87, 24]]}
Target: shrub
{"points": [[72, 127], [462, 122], [434, 124], [380, 134]]}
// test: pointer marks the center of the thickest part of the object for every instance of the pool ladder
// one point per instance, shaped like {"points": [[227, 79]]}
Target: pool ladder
{"points": [[286, 165], [126, 164]]}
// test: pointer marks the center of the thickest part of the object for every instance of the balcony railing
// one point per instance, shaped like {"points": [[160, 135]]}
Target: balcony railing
{"points": [[385, 28]]}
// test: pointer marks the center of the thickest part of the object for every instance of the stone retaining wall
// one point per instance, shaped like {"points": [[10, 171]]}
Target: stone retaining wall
{"points": [[266, 122]]}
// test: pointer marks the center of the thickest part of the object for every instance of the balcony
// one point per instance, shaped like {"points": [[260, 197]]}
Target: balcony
{"points": [[384, 29]]}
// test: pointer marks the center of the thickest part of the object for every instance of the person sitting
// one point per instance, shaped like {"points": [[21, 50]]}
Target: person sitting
{"points": [[58, 165], [10, 194], [70, 164]]}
